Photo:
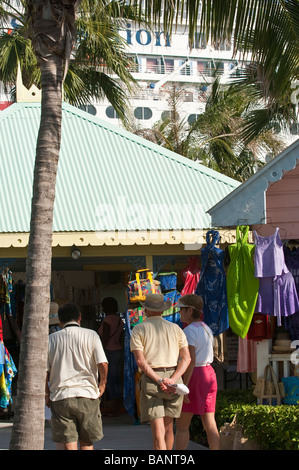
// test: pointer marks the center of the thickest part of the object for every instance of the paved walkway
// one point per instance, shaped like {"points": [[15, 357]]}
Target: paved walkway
{"points": [[119, 434]]}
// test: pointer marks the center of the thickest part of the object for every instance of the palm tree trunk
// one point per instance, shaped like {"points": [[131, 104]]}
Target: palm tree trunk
{"points": [[29, 422]]}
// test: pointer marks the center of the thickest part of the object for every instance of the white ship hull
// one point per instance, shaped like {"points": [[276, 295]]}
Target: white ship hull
{"points": [[156, 62]]}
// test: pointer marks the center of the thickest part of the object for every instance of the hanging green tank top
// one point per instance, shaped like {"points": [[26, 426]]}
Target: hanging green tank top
{"points": [[242, 286]]}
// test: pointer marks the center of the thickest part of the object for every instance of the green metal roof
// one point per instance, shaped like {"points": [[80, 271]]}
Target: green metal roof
{"points": [[108, 179]]}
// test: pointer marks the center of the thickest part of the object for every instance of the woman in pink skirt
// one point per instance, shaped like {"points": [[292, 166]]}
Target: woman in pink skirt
{"points": [[200, 376]]}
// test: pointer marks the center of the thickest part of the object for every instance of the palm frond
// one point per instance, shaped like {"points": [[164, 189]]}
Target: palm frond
{"points": [[16, 49]]}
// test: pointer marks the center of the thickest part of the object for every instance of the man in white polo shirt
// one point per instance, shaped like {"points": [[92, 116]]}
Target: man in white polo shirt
{"points": [[161, 352], [77, 375]]}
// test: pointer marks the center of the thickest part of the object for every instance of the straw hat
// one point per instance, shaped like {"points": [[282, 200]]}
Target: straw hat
{"points": [[53, 314], [156, 303], [190, 300]]}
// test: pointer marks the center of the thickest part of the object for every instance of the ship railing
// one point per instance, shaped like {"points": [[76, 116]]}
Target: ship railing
{"points": [[164, 70], [163, 95]]}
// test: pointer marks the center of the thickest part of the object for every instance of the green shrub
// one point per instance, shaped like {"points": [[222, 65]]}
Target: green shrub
{"points": [[273, 427]]}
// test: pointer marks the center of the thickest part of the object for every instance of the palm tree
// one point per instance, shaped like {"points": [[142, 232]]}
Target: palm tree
{"points": [[51, 27], [52, 30], [219, 138], [226, 135], [99, 55]]}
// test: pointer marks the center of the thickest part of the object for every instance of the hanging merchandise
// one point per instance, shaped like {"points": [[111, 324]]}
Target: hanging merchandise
{"points": [[168, 285], [168, 281], [291, 324], [291, 254], [136, 293], [191, 275], [5, 290], [137, 290], [242, 286], [130, 370], [291, 386], [212, 285], [247, 356], [277, 291], [142, 285], [172, 314], [260, 327], [135, 315], [7, 372], [7, 367]]}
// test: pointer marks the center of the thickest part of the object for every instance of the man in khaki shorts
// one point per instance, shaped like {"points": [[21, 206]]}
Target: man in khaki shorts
{"points": [[161, 352], [76, 379]]}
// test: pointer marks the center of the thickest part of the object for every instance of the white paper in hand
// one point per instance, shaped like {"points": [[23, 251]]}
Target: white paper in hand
{"points": [[180, 389]]}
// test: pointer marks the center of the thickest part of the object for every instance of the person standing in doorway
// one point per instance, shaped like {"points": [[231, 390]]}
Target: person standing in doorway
{"points": [[76, 379], [161, 352], [200, 376], [111, 332]]}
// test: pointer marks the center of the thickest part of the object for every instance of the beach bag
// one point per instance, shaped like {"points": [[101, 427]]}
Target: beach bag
{"points": [[167, 281], [291, 386], [172, 296], [232, 437], [142, 285], [172, 314], [136, 315], [227, 434]]}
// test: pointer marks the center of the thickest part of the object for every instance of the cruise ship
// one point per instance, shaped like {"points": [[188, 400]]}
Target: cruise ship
{"points": [[157, 62], [161, 64]]}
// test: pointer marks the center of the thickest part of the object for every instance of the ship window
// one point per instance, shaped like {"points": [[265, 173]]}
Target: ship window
{"points": [[143, 113], [200, 66], [185, 70], [188, 96], [219, 66], [165, 115], [168, 65], [151, 65], [192, 118], [88, 108], [111, 113], [205, 67]]}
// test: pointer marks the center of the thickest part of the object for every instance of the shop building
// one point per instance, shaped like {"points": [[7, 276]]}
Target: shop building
{"points": [[122, 203], [266, 202]]}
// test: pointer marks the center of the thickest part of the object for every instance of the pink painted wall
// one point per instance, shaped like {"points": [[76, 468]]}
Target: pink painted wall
{"points": [[282, 207]]}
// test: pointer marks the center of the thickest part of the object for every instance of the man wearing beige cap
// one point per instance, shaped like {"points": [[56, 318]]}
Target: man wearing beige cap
{"points": [[161, 352]]}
